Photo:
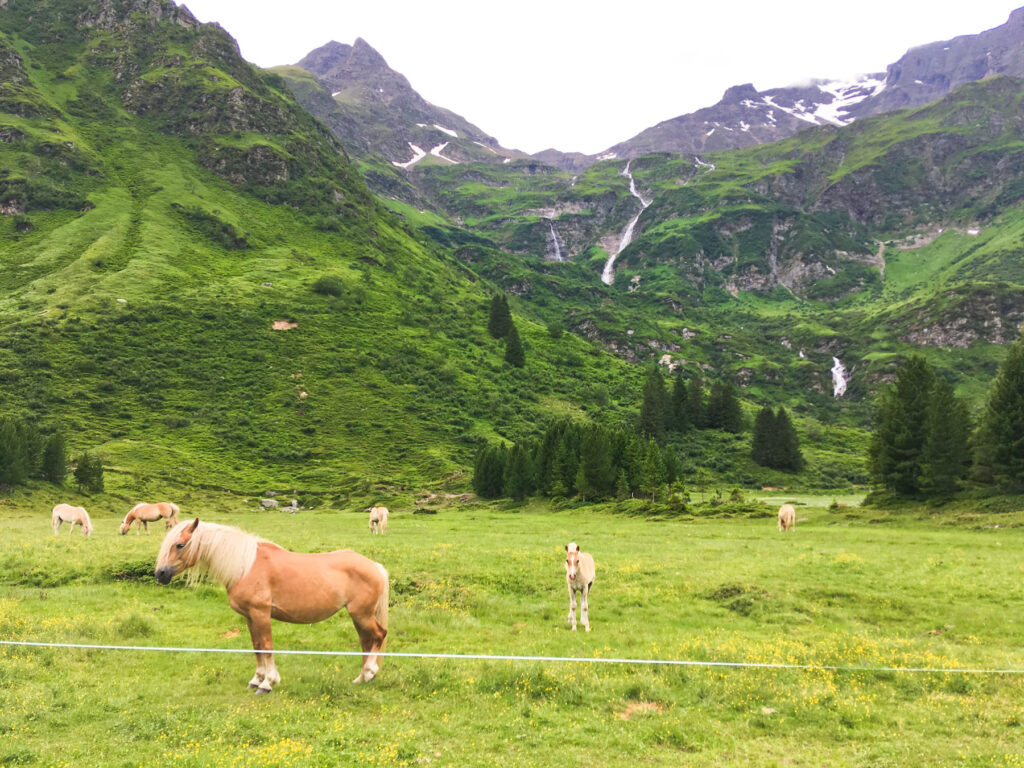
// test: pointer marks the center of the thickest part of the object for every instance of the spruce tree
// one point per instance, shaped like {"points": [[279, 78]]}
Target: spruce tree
{"points": [[946, 457], [900, 421], [695, 402], [1000, 440], [55, 460], [762, 446], [678, 409], [514, 354], [653, 470], [89, 473], [787, 443], [14, 464], [723, 409], [654, 406], [500, 319], [595, 463], [518, 479]]}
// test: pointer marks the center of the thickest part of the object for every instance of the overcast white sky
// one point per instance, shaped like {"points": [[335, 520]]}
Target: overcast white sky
{"points": [[584, 75]]}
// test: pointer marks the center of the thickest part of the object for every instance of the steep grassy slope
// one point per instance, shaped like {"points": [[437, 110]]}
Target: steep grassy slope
{"points": [[166, 205]]}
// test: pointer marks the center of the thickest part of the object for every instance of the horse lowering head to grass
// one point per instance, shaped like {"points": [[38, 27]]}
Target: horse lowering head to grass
{"points": [[144, 513], [579, 577], [265, 581], [65, 513]]}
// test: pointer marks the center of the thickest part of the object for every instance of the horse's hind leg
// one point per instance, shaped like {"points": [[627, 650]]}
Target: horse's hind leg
{"points": [[371, 638]]}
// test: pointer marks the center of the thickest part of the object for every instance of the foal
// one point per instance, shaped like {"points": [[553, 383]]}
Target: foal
{"points": [[579, 577], [378, 519]]}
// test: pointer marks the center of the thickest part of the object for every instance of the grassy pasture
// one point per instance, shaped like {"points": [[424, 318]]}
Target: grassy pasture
{"points": [[840, 590]]}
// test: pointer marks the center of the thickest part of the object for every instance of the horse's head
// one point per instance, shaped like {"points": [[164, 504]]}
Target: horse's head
{"points": [[87, 526], [572, 560], [175, 553], [125, 526]]}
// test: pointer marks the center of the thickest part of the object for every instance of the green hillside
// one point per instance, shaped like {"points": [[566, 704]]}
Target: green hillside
{"points": [[166, 204]]}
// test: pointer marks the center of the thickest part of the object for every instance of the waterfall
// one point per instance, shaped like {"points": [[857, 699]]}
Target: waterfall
{"points": [[555, 250], [608, 273], [838, 378]]}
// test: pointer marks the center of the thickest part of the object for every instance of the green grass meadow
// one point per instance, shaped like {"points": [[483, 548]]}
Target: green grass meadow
{"points": [[848, 587]]}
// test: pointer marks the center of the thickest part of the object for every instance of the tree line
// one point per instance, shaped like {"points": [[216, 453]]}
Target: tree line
{"points": [[585, 460], [25, 453]]}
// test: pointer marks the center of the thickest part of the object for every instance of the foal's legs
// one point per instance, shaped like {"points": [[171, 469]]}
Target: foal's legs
{"points": [[572, 608], [584, 595], [266, 672]]}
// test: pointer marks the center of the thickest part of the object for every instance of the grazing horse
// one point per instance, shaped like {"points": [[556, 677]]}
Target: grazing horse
{"points": [[265, 581], [579, 577], [787, 517], [144, 513], [65, 513], [378, 519]]}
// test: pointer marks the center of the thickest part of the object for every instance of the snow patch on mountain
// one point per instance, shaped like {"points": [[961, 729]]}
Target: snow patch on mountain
{"points": [[417, 155]]}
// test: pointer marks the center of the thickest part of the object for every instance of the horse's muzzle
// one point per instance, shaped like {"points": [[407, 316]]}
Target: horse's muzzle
{"points": [[164, 574]]}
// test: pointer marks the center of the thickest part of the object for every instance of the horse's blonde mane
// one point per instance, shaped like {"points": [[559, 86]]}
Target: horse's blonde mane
{"points": [[224, 552]]}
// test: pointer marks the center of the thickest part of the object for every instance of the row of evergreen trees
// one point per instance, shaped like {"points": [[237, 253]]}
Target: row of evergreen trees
{"points": [[924, 443], [26, 454], [686, 407], [588, 461]]}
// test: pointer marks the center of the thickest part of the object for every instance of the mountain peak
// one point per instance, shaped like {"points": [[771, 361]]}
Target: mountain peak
{"points": [[738, 93]]}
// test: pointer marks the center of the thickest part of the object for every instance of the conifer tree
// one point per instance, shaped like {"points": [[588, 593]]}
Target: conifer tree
{"points": [[55, 460], [500, 319], [89, 473], [14, 463], [654, 406], [762, 446], [488, 472], [518, 479], [695, 402], [514, 354], [653, 470], [723, 408], [787, 443], [900, 421], [622, 490], [680, 415], [946, 457], [595, 463], [1000, 440]]}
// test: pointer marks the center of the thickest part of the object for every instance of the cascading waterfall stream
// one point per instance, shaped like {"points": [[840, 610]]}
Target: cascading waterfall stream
{"points": [[838, 378], [608, 273], [555, 249]]}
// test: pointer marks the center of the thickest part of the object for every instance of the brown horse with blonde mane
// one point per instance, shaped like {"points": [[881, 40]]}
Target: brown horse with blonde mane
{"points": [[265, 581], [149, 513]]}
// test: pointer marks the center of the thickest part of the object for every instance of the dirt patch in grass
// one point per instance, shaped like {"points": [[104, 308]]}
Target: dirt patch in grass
{"points": [[635, 708]]}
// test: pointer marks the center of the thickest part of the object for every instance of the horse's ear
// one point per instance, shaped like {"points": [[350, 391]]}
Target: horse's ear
{"points": [[195, 524], [566, 547]]}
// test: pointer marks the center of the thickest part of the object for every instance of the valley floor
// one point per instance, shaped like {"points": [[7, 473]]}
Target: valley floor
{"points": [[844, 589]]}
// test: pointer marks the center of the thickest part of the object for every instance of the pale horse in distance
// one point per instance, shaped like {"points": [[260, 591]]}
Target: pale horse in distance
{"points": [[142, 514], [579, 577], [787, 517], [65, 513], [378, 519]]}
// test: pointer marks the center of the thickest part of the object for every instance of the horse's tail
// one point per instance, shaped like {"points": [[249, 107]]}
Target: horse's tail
{"points": [[174, 510], [380, 610]]}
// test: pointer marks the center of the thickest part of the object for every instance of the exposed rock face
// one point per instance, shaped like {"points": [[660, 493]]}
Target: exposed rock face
{"points": [[372, 108], [990, 315]]}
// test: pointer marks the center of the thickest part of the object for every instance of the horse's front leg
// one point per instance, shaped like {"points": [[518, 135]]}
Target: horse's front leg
{"points": [[146, 526], [572, 608], [266, 676]]}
